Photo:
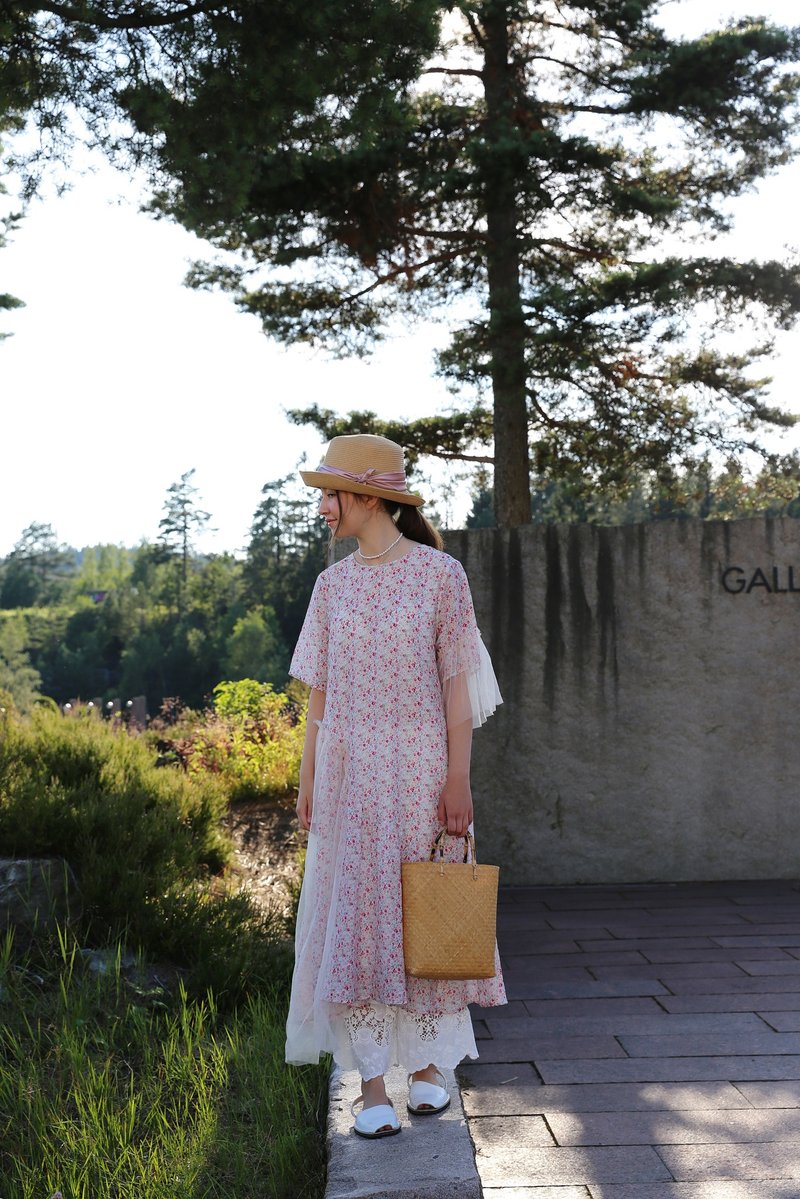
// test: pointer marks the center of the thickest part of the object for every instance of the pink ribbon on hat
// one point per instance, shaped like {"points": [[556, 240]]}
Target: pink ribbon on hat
{"points": [[392, 480]]}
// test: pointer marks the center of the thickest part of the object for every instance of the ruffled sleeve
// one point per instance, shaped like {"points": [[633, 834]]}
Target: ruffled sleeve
{"points": [[310, 658], [469, 686]]}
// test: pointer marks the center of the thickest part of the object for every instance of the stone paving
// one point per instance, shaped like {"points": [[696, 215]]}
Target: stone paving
{"points": [[650, 1048]]}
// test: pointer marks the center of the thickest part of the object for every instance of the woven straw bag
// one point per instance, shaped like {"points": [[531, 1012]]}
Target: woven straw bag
{"points": [[449, 915]]}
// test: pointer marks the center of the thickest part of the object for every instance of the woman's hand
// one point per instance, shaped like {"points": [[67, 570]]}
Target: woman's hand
{"points": [[304, 805], [455, 805]]}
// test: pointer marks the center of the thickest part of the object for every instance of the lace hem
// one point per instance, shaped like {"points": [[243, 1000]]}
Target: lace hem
{"points": [[373, 1037]]}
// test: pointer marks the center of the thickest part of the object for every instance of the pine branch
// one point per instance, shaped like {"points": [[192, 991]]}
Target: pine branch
{"points": [[453, 71], [475, 28], [409, 269], [442, 234], [455, 457], [137, 18], [604, 110], [560, 62]]}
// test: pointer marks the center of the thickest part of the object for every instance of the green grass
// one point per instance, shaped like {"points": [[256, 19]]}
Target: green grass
{"points": [[104, 1094]]}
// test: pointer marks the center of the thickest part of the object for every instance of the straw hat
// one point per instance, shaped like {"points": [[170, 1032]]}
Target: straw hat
{"points": [[365, 464]]}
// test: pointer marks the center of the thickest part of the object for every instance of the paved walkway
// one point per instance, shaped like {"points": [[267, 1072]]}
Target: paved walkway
{"points": [[650, 1049]]}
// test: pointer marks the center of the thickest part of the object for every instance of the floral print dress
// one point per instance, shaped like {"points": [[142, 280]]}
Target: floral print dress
{"points": [[397, 652]]}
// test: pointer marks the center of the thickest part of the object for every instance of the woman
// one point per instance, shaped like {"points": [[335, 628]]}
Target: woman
{"points": [[399, 677]]}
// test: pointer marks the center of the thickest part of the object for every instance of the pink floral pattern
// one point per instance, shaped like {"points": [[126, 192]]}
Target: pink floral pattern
{"points": [[381, 642]]}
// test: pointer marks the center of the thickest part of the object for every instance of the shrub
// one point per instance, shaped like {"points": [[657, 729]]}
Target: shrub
{"points": [[229, 945], [252, 740], [141, 840]]}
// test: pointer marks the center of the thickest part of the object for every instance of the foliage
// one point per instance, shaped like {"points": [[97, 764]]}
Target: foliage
{"points": [[81, 788], [108, 621], [531, 177], [34, 570], [100, 568], [255, 648], [17, 677], [182, 518], [482, 513], [527, 165], [697, 490], [129, 639], [8, 223], [106, 1091], [114, 1081], [252, 740], [284, 555], [144, 841]]}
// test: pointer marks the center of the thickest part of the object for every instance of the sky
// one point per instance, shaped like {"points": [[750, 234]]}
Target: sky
{"points": [[118, 379]]}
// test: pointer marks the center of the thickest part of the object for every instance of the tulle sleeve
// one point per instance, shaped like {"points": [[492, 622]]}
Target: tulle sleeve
{"points": [[310, 658], [469, 686]]}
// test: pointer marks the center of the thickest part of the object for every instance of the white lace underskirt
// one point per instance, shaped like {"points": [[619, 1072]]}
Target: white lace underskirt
{"points": [[373, 1037]]}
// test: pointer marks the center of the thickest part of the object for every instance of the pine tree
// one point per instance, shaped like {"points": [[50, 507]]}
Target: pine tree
{"points": [[182, 519], [17, 677], [284, 555], [562, 147], [36, 570], [533, 169]]}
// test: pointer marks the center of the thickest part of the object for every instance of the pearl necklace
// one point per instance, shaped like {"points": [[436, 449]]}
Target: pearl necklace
{"points": [[382, 554]]}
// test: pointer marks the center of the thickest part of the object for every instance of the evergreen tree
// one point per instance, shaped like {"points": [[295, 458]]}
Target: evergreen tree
{"points": [[17, 676], [531, 174], [36, 570], [697, 490], [285, 554], [182, 519], [524, 163], [482, 514]]}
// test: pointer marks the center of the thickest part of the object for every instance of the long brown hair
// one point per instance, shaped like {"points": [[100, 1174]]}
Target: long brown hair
{"points": [[409, 520], [413, 525]]}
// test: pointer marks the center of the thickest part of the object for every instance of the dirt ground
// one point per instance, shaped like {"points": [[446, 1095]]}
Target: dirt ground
{"points": [[267, 839]]}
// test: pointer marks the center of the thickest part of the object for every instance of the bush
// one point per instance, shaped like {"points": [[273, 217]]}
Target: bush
{"points": [[228, 944], [90, 792], [251, 740], [143, 842]]}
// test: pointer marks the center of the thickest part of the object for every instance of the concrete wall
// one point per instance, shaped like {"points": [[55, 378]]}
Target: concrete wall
{"points": [[651, 725]]}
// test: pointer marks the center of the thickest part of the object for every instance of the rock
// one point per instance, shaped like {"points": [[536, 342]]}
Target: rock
{"points": [[105, 961], [148, 981], [36, 894]]}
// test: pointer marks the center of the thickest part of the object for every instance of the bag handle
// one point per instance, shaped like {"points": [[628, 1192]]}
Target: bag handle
{"points": [[469, 848]]}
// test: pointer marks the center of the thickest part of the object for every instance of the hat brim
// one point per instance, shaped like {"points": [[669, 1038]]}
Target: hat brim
{"points": [[332, 482]]}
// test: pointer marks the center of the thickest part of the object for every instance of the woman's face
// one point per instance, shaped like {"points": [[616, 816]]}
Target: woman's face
{"points": [[330, 510]]}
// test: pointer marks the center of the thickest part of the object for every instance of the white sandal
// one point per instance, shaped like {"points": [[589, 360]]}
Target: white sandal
{"points": [[375, 1122], [426, 1098]]}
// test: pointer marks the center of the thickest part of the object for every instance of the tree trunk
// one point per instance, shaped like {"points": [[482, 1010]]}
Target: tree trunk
{"points": [[184, 562], [506, 320]]}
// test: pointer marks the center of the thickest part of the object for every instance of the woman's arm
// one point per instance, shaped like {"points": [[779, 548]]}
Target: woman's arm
{"points": [[455, 801], [305, 796]]}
